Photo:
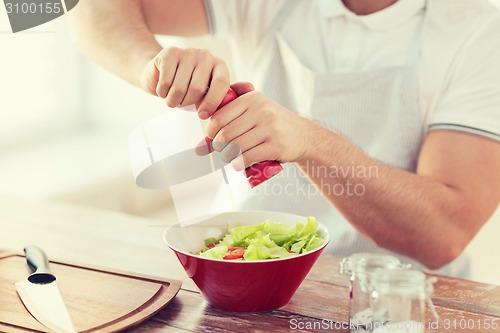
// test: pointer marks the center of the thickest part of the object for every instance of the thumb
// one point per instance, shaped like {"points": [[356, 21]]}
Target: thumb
{"points": [[241, 88]]}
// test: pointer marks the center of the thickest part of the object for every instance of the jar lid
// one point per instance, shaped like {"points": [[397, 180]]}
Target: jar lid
{"points": [[362, 264]]}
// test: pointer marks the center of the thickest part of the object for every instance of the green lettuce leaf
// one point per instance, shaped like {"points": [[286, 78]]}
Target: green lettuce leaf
{"points": [[263, 247], [305, 231], [268, 240], [297, 247], [278, 232], [241, 233], [217, 252], [228, 240], [257, 252], [313, 243]]}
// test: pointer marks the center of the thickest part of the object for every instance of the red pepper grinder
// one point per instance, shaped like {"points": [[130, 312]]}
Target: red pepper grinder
{"points": [[258, 172]]}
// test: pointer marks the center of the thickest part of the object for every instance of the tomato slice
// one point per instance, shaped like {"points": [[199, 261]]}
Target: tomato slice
{"points": [[235, 252]]}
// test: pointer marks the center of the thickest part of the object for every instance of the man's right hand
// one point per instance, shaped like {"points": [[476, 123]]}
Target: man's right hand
{"points": [[187, 76]]}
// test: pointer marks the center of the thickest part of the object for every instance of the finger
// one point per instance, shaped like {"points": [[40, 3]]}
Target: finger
{"points": [[167, 66], [198, 86], [165, 79], [241, 88], [238, 146], [237, 163], [223, 117], [219, 85], [236, 128], [254, 155], [245, 142], [180, 85], [149, 78], [230, 152]]}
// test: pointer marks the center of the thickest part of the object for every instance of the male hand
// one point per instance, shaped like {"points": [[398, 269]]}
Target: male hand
{"points": [[187, 76]]}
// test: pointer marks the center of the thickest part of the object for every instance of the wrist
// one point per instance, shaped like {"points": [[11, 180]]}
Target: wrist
{"points": [[317, 142]]}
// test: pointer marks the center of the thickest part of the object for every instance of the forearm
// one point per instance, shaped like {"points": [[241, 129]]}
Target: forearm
{"points": [[114, 34], [410, 214]]}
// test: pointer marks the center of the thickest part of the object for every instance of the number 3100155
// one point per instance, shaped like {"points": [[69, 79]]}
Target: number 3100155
{"points": [[33, 8]]}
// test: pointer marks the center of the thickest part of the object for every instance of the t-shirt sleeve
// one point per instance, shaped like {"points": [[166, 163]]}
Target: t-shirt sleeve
{"points": [[471, 102]]}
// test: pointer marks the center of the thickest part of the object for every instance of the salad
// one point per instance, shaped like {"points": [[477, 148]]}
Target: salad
{"points": [[268, 240]]}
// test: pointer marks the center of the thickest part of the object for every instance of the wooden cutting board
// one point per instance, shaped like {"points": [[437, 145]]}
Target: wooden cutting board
{"points": [[98, 300]]}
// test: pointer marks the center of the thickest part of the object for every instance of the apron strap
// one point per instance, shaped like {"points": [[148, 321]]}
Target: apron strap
{"points": [[416, 45]]}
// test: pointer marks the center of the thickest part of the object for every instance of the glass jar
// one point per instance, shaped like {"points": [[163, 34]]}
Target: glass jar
{"points": [[398, 300], [359, 268]]}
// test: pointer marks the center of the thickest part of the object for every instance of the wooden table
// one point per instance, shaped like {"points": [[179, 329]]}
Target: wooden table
{"points": [[119, 241]]}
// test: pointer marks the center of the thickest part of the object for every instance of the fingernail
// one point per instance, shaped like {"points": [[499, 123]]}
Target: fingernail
{"points": [[204, 147], [238, 163], [203, 114]]}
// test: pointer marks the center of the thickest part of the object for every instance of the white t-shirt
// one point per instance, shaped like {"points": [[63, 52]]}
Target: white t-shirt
{"points": [[458, 69]]}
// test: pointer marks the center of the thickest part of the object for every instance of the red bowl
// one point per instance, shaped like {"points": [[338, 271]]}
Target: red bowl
{"points": [[242, 286]]}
